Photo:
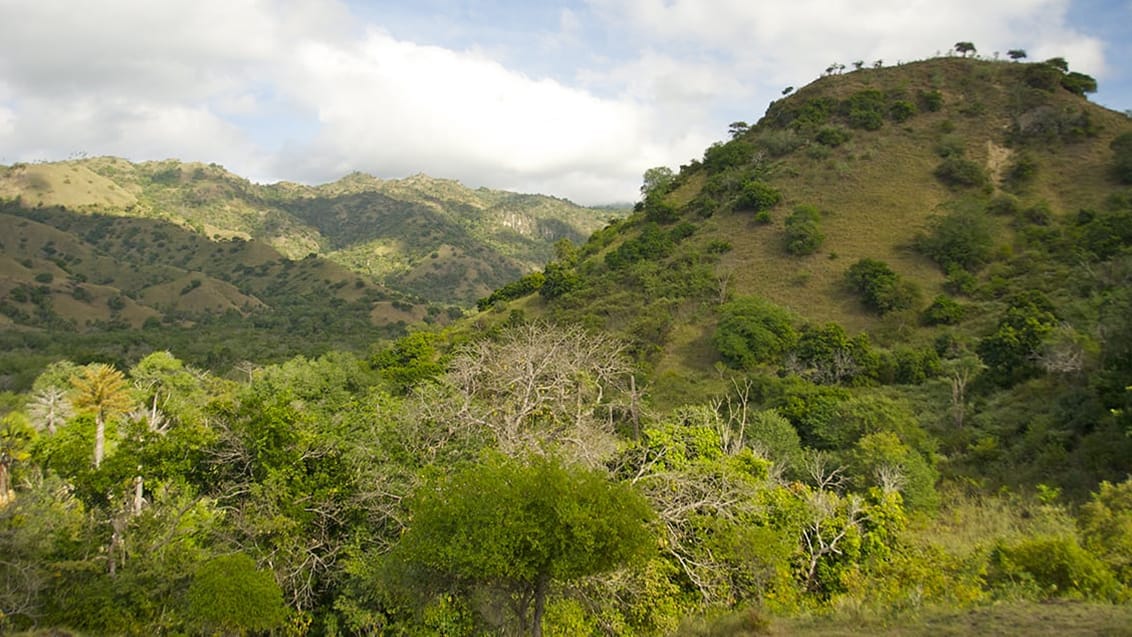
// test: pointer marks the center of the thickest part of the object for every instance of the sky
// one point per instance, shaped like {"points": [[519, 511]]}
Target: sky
{"points": [[572, 98]]}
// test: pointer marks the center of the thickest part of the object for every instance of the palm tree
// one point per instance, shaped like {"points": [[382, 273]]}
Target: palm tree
{"points": [[102, 391]]}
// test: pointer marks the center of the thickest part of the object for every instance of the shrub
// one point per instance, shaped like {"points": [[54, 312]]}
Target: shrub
{"points": [[901, 110], [757, 195], [803, 236], [1022, 172], [1056, 565], [943, 310], [780, 142], [230, 595], [514, 290], [1106, 527], [719, 157], [752, 330], [1122, 157], [832, 136], [1043, 76], [881, 289], [930, 100], [958, 172], [865, 109], [1079, 83], [960, 239]]}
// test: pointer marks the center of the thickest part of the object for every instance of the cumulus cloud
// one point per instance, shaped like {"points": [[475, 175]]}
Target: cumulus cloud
{"points": [[307, 90]]}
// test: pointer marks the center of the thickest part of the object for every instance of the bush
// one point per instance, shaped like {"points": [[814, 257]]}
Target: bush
{"points": [[832, 136], [230, 595], [901, 110], [803, 236], [757, 195], [719, 157], [780, 142], [881, 289], [1122, 157], [955, 171], [961, 239], [752, 331], [943, 310], [1056, 565], [1106, 527], [1043, 76], [1022, 172], [931, 101], [1079, 83]]}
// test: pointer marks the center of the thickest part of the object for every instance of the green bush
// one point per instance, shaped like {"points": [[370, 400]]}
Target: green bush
{"points": [[1022, 171], [719, 157], [881, 289], [943, 310], [1122, 157], [803, 235], [930, 100], [752, 331], [230, 595], [832, 136], [1079, 83], [961, 239], [1057, 566], [901, 110], [955, 171], [757, 195], [1043, 76]]}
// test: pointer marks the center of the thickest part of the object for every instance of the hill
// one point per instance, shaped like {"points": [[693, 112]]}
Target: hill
{"points": [[888, 227], [428, 238]]}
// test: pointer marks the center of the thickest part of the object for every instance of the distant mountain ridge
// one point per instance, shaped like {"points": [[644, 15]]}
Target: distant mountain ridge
{"points": [[431, 239]]}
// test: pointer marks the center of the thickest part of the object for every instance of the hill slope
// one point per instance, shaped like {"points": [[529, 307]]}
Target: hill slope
{"points": [[891, 228], [430, 238]]}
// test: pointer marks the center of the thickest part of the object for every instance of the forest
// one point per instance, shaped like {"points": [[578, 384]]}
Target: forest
{"points": [[868, 360]]}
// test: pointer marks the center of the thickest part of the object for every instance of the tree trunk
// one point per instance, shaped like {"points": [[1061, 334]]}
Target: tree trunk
{"points": [[99, 438], [139, 495], [540, 605], [3, 483]]}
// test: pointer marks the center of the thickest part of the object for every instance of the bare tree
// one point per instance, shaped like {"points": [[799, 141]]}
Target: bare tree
{"points": [[50, 408], [826, 530], [540, 387]]}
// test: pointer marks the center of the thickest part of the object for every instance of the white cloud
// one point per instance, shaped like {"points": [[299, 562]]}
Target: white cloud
{"points": [[397, 107], [300, 90]]}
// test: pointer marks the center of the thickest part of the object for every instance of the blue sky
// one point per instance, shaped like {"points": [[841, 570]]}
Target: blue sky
{"points": [[574, 99]]}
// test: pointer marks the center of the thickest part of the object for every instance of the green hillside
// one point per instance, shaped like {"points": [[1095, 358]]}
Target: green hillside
{"points": [[428, 238], [983, 199]]}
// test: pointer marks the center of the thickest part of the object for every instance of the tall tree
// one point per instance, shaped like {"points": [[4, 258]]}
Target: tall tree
{"points": [[102, 391]]}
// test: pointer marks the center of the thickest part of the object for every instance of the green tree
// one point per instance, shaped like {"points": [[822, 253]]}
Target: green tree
{"points": [[1079, 83], [230, 596], [1016, 54], [524, 524], [752, 330], [965, 49], [657, 180]]}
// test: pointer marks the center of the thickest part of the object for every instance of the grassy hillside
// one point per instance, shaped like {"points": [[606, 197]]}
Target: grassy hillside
{"points": [[888, 229], [429, 238]]}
